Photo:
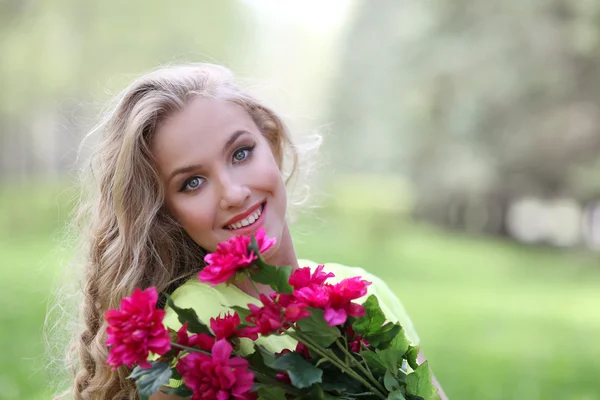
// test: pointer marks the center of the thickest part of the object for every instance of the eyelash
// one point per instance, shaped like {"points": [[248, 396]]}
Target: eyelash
{"points": [[249, 149]]}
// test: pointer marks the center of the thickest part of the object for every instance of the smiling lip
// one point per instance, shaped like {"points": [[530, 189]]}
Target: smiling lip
{"points": [[243, 215]]}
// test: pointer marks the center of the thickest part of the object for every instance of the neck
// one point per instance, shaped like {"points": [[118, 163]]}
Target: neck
{"points": [[283, 255]]}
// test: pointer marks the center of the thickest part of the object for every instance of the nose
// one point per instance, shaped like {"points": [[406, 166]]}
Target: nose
{"points": [[233, 194]]}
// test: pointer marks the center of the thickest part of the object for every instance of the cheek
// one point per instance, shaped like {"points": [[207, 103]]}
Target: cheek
{"points": [[195, 216], [277, 189], [272, 179]]}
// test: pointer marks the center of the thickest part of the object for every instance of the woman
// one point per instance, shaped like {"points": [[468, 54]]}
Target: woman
{"points": [[186, 160]]}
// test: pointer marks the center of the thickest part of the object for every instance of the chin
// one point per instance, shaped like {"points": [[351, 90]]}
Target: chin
{"points": [[271, 252]]}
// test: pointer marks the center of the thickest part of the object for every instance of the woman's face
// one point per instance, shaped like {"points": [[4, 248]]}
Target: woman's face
{"points": [[220, 176]]}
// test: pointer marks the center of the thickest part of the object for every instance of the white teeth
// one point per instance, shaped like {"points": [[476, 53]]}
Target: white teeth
{"points": [[249, 220]]}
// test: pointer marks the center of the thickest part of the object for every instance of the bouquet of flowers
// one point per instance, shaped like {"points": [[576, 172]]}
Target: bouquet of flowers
{"points": [[344, 350]]}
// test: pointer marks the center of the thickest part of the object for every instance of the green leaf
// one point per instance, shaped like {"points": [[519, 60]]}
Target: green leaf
{"points": [[373, 361], [188, 315], [268, 358], [371, 325], [150, 380], [333, 380], [400, 342], [302, 373], [385, 336], [340, 383], [396, 395], [401, 377], [419, 383], [176, 375], [318, 329], [390, 382], [373, 319], [391, 359], [262, 360], [242, 312], [317, 393], [276, 277], [181, 391], [411, 356], [271, 393]]}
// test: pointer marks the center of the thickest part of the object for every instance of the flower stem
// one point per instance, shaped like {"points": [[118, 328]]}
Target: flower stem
{"points": [[255, 287], [334, 360], [366, 363], [190, 349], [345, 346], [367, 373]]}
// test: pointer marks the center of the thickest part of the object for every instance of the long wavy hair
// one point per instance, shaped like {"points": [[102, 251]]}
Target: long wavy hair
{"points": [[130, 240]]}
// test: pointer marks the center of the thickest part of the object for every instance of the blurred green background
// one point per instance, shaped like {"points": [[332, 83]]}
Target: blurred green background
{"points": [[460, 164]]}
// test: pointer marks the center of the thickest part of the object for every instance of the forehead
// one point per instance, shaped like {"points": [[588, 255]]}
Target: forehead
{"points": [[207, 118], [201, 128]]}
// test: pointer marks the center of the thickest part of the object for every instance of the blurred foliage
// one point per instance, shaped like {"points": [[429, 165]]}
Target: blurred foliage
{"points": [[59, 54], [61, 48], [35, 209], [477, 102]]}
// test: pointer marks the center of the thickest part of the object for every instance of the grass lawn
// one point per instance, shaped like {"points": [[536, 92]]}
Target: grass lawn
{"points": [[497, 320]]}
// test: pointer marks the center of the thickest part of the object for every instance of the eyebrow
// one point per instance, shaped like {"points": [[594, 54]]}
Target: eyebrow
{"points": [[184, 170]]}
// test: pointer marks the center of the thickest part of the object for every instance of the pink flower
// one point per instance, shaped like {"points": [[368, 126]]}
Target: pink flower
{"points": [[303, 350], [263, 241], [314, 296], [266, 320], [225, 327], [231, 256], [201, 340], [217, 376], [300, 349], [293, 309], [274, 316], [302, 277], [136, 329], [283, 377], [335, 300], [340, 300], [355, 341]]}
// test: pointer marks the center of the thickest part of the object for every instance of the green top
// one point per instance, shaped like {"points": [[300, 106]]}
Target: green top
{"points": [[209, 301]]}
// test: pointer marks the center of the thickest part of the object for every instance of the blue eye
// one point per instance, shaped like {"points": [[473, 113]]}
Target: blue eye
{"points": [[242, 154], [192, 184]]}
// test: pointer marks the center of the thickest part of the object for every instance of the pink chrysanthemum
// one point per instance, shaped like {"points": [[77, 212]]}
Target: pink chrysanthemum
{"points": [[355, 341], [277, 314], [225, 326], [340, 305], [302, 277], [217, 376], [200, 340], [335, 300], [231, 256], [136, 329]]}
